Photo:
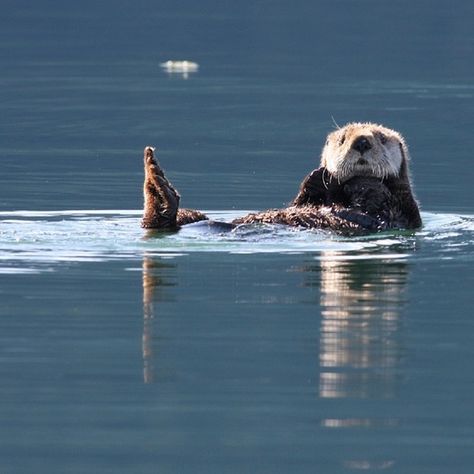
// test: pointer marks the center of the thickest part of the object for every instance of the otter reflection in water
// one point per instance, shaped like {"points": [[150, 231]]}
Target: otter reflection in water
{"points": [[360, 321], [154, 274], [360, 348]]}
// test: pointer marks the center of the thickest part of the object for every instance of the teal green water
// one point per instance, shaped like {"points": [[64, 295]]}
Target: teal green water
{"points": [[265, 350]]}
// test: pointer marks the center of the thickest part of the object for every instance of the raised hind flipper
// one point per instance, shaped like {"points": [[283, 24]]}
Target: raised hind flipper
{"points": [[161, 200]]}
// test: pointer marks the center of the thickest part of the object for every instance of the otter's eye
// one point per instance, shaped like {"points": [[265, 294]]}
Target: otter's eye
{"points": [[383, 138], [342, 139]]}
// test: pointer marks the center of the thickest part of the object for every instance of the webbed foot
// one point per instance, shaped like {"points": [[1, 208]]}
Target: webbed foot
{"points": [[161, 199]]}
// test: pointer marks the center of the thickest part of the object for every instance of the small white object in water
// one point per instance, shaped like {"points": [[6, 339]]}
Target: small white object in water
{"points": [[180, 66]]}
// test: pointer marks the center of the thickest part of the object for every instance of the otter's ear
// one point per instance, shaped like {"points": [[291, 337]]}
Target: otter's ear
{"points": [[323, 161]]}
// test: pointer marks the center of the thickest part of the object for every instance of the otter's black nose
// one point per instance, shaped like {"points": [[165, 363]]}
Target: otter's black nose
{"points": [[361, 144]]}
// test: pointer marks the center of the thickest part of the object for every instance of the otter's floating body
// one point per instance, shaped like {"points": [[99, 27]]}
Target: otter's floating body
{"points": [[362, 185]]}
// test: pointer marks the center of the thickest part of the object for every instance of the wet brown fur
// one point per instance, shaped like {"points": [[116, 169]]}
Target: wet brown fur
{"points": [[307, 216]]}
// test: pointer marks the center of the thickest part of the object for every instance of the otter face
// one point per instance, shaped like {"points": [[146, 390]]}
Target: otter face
{"points": [[364, 149]]}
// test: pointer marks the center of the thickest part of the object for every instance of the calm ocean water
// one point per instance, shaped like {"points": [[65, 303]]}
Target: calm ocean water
{"points": [[269, 351]]}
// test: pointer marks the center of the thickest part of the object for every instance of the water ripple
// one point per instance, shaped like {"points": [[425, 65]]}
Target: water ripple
{"points": [[32, 241]]}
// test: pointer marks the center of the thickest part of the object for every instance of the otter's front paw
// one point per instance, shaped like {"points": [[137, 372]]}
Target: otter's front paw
{"points": [[313, 189]]}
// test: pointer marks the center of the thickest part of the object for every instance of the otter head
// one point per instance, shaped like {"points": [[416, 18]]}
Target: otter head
{"points": [[365, 149]]}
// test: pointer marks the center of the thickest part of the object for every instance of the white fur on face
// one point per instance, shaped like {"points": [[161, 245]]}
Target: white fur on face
{"points": [[384, 158]]}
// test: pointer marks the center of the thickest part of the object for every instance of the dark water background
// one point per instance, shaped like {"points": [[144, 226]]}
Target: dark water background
{"points": [[119, 354]]}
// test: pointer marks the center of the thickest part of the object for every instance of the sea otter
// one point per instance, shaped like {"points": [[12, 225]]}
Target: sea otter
{"points": [[362, 185]]}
